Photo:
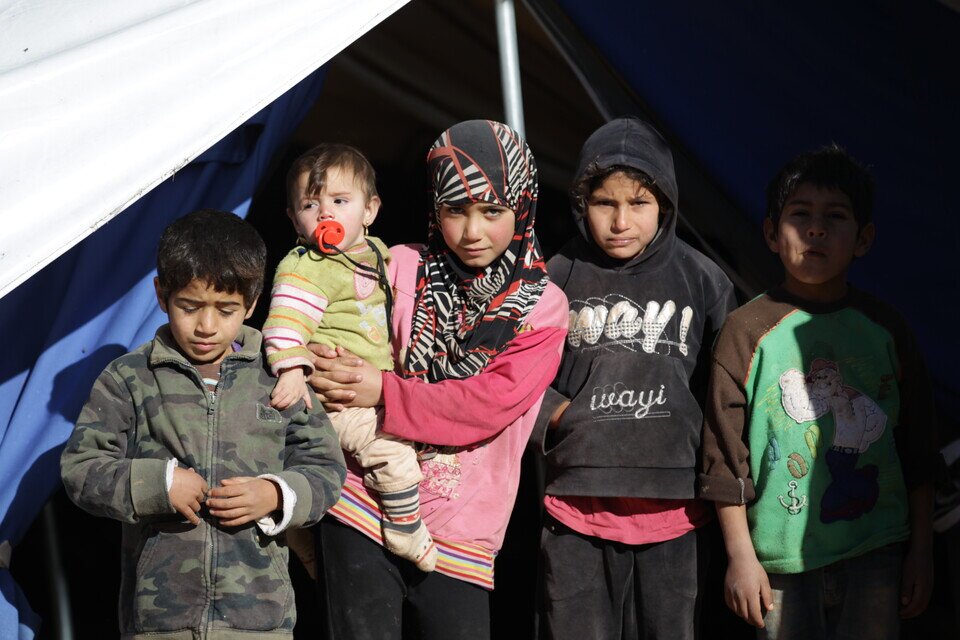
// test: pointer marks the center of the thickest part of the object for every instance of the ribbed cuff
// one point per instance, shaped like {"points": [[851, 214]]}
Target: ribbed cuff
{"points": [[268, 523], [168, 476]]}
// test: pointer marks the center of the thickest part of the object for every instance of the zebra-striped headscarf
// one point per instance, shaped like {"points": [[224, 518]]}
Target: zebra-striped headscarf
{"points": [[464, 317]]}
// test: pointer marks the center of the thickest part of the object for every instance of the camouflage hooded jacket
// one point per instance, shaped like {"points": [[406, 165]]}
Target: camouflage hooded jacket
{"points": [[205, 581]]}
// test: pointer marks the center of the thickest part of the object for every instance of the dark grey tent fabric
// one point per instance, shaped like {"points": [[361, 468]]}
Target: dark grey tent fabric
{"points": [[743, 89]]}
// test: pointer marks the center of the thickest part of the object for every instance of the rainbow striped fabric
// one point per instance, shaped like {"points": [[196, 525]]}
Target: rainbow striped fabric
{"points": [[460, 560]]}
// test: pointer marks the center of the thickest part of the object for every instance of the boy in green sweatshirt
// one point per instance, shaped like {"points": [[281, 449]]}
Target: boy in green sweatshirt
{"points": [[819, 428]]}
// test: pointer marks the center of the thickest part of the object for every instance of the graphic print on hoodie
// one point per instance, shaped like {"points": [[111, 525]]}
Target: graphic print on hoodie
{"points": [[637, 330]]}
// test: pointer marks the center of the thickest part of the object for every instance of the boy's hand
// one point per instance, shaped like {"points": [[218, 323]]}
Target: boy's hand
{"points": [[746, 590], [186, 493], [916, 584], [241, 500], [291, 386]]}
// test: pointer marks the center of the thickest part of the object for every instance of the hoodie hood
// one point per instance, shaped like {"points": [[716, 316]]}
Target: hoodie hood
{"points": [[633, 143]]}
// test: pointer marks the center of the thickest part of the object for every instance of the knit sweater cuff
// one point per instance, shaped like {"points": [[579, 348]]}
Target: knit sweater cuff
{"points": [[268, 524]]}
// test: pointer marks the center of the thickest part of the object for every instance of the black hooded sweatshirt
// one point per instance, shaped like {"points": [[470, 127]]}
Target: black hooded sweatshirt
{"points": [[637, 329]]}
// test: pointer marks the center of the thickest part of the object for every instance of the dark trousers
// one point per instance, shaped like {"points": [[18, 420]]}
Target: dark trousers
{"points": [[596, 588], [367, 593]]}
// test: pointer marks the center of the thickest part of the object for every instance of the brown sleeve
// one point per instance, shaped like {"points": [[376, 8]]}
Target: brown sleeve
{"points": [[726, 470], [725, 475], [915, 433]]}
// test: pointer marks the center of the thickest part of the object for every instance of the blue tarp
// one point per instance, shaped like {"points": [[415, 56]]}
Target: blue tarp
{"points": [[746, 86], [95, 303]]}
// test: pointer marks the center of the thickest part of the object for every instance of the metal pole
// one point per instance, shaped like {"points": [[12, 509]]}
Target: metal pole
{"points": [[63, 621], [509, 64], [513, 107]]}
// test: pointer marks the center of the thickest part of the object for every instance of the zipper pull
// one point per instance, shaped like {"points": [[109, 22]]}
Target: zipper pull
{"points": [[213, 403]]}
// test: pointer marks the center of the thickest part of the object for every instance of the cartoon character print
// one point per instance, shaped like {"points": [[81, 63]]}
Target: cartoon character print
{"points": [[373, 320], [620, 321], [858, 423]]}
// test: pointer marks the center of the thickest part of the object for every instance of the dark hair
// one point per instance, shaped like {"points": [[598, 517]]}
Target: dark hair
{"points": [[216, 247], [325, 156], [593, 178], [830, 167]]}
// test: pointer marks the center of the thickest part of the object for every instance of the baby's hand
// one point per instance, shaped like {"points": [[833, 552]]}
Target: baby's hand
{"points": [[291, 386], [241, 500], [187, 492]]}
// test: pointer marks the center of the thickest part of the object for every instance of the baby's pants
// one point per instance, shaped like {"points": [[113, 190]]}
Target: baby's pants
{"points": [[389, 463]]}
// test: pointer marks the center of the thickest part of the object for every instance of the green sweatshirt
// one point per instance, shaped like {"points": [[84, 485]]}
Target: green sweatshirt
{"points": [[819, 418]]}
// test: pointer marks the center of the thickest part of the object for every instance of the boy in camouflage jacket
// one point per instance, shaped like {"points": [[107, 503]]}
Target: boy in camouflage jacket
{"points": [[178, 441]]}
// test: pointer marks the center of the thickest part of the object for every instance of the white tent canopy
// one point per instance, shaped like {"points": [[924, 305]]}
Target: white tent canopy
{"points": [[79, 80]]}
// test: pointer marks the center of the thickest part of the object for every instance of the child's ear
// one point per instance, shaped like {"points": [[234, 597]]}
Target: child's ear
{"points": [[161, 298], [770, 234], [865, 240], [371, 210], [253, 305]]}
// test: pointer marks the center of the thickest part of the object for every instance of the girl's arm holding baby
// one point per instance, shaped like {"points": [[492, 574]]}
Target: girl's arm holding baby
{"points": [[460, 410]]}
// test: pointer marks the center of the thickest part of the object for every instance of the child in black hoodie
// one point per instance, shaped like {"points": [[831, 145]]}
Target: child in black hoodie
{"points": [[620, 425]]}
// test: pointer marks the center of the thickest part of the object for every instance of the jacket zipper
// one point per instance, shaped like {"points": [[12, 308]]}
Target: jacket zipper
{"points": [[212, 404], [210, 542]]}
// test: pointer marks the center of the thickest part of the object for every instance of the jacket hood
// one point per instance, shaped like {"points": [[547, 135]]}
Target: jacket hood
{"points": [[633, 143]]}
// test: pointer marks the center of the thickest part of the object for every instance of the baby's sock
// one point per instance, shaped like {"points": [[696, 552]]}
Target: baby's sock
{"points": [[404, 532]]}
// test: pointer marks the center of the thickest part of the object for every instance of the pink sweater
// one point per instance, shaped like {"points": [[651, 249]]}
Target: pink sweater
{"points": [[466, 498]]}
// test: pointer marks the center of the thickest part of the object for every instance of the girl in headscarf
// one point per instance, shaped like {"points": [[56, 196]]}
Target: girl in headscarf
{"points": [[477, 335]]}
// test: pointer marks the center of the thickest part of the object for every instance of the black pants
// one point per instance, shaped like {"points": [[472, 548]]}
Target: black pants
{"points": [[370, 594], [596, 588]]}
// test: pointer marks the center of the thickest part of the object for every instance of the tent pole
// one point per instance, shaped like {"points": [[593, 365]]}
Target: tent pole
{"points": [[63, 621], [509, 64], [513, 107]]}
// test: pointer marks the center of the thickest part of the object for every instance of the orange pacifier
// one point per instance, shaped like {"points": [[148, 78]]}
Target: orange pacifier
{"points": [[327, 235]]}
